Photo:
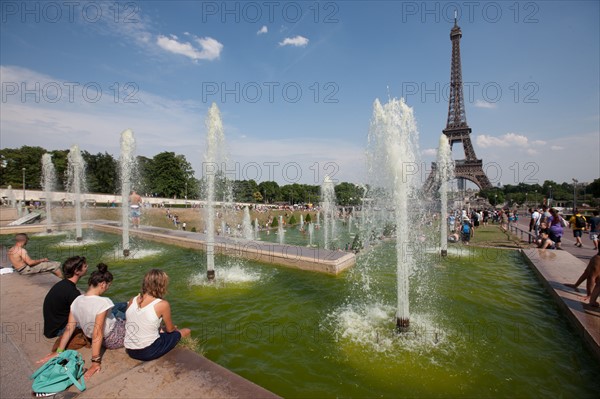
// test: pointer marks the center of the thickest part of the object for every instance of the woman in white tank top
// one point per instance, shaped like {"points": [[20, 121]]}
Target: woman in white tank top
{"points": [[144, 339]]}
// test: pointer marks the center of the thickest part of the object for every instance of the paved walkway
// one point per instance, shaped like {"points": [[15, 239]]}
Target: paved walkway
{"points": [[179, 374], [568, 242]]}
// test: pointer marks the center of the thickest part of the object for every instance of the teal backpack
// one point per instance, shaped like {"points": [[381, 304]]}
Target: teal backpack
{"points": [[59, 373]]}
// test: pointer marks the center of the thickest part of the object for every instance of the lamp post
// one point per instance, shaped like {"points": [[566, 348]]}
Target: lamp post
{"points": [[535, 199], [526, 203], [23, 170], [550, 196], [575, 181], [186, 194]]}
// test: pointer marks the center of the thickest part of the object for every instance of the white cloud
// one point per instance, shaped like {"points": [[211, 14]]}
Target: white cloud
{"points": [[506, 140], [484, 104], [262, 30], [296, 41], [513, 158], [210, 48], [163, 124]]}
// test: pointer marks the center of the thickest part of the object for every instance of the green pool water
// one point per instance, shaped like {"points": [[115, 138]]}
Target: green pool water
{"points": [[482, 325]]}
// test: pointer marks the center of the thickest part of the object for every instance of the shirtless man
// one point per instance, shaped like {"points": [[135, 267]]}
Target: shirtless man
{"points": [[23, 264], [592, 275], [135, 201]]}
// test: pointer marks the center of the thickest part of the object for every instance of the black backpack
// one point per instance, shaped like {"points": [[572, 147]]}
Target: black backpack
{"points": [[580, 222]]}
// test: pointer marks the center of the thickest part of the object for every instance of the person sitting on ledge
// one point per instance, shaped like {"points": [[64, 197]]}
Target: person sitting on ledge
{"points": [[58, 300], [453, 237], [144, 337], [592, 276], [102, 321], [545, 241], [23, 264]]}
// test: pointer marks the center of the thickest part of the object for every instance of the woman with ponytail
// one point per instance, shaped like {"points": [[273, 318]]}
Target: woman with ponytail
{"points": [[95, 315]]}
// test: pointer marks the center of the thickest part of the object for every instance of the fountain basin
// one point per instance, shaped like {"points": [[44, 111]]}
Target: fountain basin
{"points": [[482, 325]]}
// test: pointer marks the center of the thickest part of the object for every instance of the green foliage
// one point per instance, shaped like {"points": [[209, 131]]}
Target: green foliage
{"points": [[101, 173], [12, 162], [269, 191], [245, 190], [292, 220], [275, 222], [193, 230], [348, 194], [308, 218], [357, 244], [389, 229]]}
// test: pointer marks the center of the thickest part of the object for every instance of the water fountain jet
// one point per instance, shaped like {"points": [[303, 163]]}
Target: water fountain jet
{"points": [[76, 184], [127, 163], [392, 169], [445, 170], [214, 156], [49, 183]]}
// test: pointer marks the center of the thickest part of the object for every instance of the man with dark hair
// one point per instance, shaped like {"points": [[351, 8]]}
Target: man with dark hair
{"points": [[23, 264], [594, 226], [57, 303]]}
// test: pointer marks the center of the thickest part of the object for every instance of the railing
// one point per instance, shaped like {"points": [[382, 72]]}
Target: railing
{"points": [[516, 230]]}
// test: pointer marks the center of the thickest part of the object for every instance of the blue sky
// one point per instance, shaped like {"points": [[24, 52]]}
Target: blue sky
{"points": [[295, 81]]}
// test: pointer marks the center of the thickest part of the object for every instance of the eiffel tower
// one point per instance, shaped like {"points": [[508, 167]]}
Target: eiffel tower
{"points": [[457, 129]]}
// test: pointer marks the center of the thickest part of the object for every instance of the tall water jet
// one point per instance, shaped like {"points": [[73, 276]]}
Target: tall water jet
{"points": [[329, 210], [256, 228], [12, 200], [76, 184], [213, 158], [445, 171], [393, 167], [247, 225], [311, 232], [127, 166], [301, 222], [280, 231], [49, 184]]}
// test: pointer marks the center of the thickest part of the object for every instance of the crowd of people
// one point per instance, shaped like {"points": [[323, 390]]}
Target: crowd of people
{"points": [[142, 325], [548, 226]]}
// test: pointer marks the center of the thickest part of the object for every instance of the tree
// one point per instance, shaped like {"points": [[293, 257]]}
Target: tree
{"points": [[348, 194], [270, 190], [243, 190], [257, 196], [167, 173], [60, 161], [14, 160], [102, 173]]}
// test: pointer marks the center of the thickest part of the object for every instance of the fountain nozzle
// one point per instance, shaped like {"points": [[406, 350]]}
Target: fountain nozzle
{"points": [[444, 252], [210, 274], [48, 231], [126, 252], [402, 324], [79, 239]]}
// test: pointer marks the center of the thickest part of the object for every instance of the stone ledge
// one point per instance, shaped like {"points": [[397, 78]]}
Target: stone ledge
{"points": [[554, 268], [180, 373]]}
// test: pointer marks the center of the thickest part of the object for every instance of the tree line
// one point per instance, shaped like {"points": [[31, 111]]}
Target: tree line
{"points": [[167, 175], [170, 175]]}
